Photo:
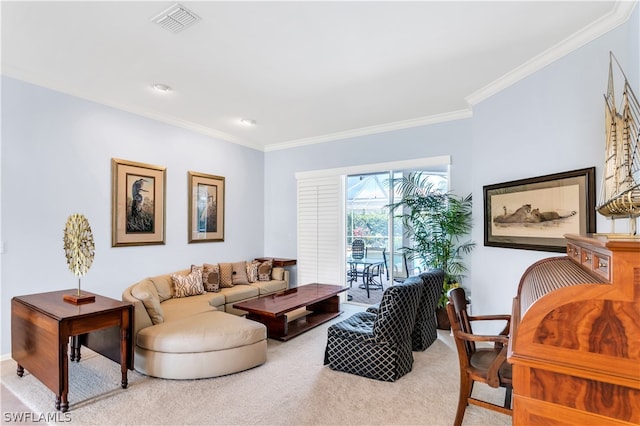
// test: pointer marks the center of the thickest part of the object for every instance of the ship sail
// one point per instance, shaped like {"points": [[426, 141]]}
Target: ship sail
{"points": [[620, 195]]}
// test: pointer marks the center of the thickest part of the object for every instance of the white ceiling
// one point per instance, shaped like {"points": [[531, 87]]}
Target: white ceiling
{"points": [[304, 71]]}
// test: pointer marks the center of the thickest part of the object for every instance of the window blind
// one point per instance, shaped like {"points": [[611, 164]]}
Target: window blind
{"points": [[320, 231]]}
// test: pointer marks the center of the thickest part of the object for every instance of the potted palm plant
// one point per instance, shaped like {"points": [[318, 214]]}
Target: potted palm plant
{"points": [[437, 223]]}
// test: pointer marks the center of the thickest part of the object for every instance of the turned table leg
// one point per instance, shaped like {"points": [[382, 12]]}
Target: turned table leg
{"points": [[75, 349]]}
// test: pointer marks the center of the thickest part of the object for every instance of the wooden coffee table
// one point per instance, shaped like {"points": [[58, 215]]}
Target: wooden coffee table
{"points": [[320, 303]]}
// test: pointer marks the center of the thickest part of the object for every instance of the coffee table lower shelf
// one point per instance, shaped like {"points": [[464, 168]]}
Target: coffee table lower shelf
{"points": [[280, 328]]}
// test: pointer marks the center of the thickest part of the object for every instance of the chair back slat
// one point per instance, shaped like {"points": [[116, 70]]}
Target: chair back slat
{"points": [[459, 317]]}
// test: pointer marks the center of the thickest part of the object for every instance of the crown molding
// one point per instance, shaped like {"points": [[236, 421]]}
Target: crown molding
{"points": [[364, 131], [619, 15]]}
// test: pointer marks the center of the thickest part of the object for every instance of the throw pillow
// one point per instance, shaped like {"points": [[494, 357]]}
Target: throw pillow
{"points": [[164, 286], [239, 273], [211, 277], [277, 273], [187, 285], [146, 292], [252, 271], [226, 275], [264, 271], [197, 268]]}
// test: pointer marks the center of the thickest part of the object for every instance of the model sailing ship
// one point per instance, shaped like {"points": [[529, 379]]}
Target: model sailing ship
{"points": [[620, 195]]}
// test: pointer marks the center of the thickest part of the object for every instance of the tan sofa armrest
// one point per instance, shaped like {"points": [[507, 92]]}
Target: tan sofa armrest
{"points": [[141, 317]]}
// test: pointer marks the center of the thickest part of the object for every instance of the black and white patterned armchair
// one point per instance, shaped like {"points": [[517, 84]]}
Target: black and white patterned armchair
{"points": [[425, 329], [377, 345]]}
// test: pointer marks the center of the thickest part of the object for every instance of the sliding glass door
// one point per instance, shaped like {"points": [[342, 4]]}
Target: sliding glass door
{"points": [[336, 205], [368, 217]]}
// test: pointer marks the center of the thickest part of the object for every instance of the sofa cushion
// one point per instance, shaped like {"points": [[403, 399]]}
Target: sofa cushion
{"points": [[164, 286], [146, 292], [264, 270], [211, 277], [239, 292], [226, 275], [203, 332], [239, 274], [216, 300], [188, 285], [265, 287], [182, 307]]}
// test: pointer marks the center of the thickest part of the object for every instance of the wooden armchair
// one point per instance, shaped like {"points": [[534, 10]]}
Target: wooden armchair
{"points": [[478, 364]]}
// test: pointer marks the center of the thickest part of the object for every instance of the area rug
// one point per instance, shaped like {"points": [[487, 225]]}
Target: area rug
{"points": [[292, 388]]}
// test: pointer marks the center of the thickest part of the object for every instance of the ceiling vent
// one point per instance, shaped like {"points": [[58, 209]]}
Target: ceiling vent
{"points": [[176, 18]]}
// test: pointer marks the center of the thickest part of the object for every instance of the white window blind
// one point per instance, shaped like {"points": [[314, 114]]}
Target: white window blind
{"points": [[320, 224]]}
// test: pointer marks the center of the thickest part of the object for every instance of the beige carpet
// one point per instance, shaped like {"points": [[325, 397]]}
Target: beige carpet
{"points": [[291, 388]]}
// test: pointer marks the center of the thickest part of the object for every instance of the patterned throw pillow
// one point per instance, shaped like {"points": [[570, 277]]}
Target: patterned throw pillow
{"points": [[226, 275], [187, 285], [252, 271], [239, 274], [211, 277], [264, 271], [197, 268]]}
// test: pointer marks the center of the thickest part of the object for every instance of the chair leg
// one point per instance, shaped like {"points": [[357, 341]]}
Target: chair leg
{"points": [[507, 398], [366, 284], [466, 385]]}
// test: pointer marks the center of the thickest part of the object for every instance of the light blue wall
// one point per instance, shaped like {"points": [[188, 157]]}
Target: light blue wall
{"points": [[549, 122], [56, 160]]}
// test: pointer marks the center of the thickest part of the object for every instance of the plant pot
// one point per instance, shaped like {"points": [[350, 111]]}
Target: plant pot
{"points": [[442, 319]]}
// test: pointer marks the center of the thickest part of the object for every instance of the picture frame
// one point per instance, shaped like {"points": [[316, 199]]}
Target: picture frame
{"points": [[206, 207], [536, 213], [137, 203]]}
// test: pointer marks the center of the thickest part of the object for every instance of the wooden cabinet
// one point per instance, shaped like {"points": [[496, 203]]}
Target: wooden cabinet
{"points": [[575, 336]]}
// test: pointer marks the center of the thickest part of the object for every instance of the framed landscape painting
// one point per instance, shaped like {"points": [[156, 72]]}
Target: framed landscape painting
{"points": [[206, 207], [536, 213], [138, 203]]}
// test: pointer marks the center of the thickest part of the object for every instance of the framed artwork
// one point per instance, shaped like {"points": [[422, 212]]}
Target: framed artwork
{"points": [[536, 213], [206, 208], [137, 204]]}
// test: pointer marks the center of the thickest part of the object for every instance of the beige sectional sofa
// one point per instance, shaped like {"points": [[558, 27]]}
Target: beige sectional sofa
{"points": [[201, 335]]}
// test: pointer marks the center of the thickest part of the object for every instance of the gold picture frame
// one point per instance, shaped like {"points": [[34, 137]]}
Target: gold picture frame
{"points": [[206, 207], [137, 203]]}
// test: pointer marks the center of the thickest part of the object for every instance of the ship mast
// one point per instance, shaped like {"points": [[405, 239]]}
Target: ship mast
{"points": [[620, 194]]}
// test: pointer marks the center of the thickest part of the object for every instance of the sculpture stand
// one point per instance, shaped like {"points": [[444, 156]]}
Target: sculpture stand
{"points": [[79, 298]]}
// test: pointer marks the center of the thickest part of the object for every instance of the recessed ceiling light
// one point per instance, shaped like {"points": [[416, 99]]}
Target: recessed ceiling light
{"points": [[162, 87], [247, 122]]}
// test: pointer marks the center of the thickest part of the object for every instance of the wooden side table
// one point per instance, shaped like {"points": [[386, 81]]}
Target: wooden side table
{"points": [[42, 324], [278, 261]]}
